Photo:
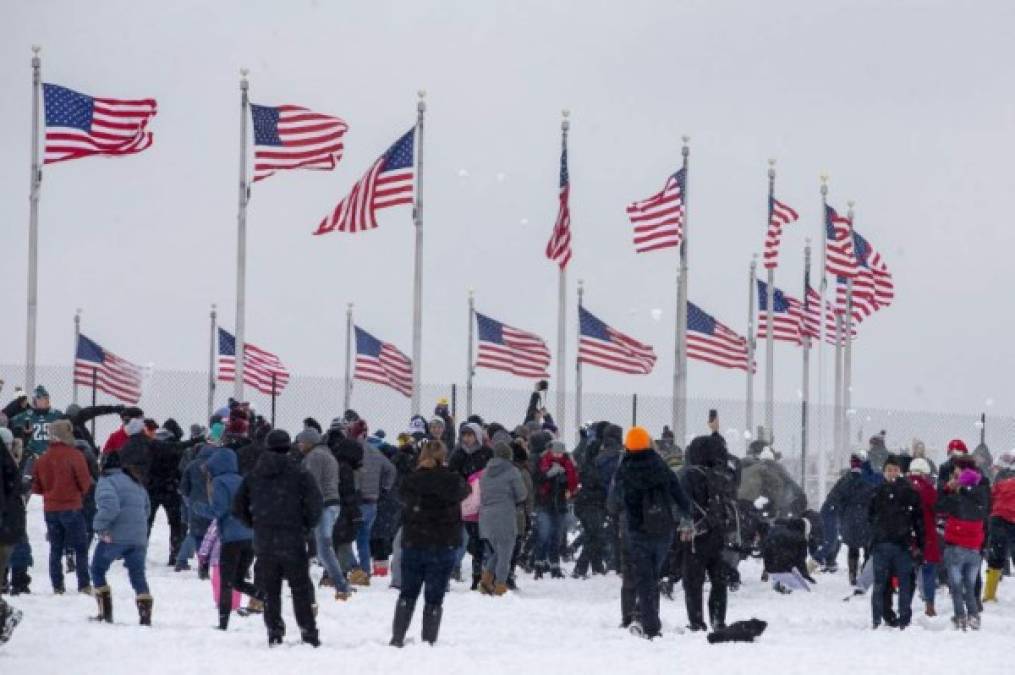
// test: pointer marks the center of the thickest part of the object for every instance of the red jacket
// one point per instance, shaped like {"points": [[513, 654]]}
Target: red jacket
{"points": [[1003, 499], [550, 492], [61, 477], [116, 440], [924, 486]]}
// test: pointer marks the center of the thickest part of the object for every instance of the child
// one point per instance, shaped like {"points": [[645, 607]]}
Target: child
{"points": [[208, 555]]}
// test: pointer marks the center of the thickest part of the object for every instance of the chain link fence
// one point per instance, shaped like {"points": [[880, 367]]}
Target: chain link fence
{"points": [[183, 395]]}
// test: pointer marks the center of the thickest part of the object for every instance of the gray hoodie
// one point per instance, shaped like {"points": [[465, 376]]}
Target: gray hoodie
{"points": [[323, 466], [377, 475], [501, 491]]}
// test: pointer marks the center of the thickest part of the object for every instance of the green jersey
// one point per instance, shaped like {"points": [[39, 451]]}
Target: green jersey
{"points": [[38, 422]]}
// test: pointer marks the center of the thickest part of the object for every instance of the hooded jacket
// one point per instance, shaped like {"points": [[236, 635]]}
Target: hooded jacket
{"points": [[639, 474], [847, 504], [323, 466], [502, 492], [467, 460], [281, 503], [122, 509], [431, 513], [896, 516], [62, 478], [552, 490], [377, 476], [223, 468], [967, 510], [194, 488]]}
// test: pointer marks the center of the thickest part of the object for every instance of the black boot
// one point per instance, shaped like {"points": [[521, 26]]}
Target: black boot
{"points": [[144, 609], [431, 623], [104, 599], [403, 617], [853, 565], [311, 637], [224, 620]]}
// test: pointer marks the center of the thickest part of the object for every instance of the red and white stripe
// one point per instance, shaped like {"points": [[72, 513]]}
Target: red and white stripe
{"points": [[780, 215], [786, 327], [119, 127], [523, 354], [622, 353], [258, 368], [392, 369], [115, 376], [310, 140], [659, 220]]}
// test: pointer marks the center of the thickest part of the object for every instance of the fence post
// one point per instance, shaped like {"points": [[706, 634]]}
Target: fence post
{"points": [[454, 402], [634, 410]]}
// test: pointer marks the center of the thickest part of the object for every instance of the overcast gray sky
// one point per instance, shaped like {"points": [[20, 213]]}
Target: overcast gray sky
{"points": [[909, 106]]}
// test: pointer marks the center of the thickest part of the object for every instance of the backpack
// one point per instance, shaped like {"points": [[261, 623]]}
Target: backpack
{"points": [[719, 512], [657, 517]]}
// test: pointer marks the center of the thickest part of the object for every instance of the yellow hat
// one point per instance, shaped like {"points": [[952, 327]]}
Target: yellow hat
{"points": [[442, 401], [638, 439]]}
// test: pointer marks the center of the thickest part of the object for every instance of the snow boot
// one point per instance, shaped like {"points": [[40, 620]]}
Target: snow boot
{"points": [[959, 623], [311, 637], [556, 573], [202, 572], [358, 577], [853, 568], [9, 620], [144, 609], [21, 581], [400, 625], [486, 583], [104, 599], [380, 568], [928, 609], [224, 620], [431, 623], [475, 582], [500, 589], [990, 588], [973, 621]]}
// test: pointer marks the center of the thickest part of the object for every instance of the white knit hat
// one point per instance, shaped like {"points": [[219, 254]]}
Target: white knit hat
{"points": [[920, 466]]}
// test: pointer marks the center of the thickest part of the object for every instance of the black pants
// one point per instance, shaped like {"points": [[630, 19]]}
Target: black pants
{"points": [[594, 541], [235, 559], [629, 611], [292, 566], [475, 548], [172, 506], [647, 556], [705, 558]]}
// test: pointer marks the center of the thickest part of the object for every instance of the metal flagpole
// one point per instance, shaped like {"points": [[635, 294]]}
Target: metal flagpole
{"points": [[347, 385], [565, 126], [274, 394], [33, 226], [847, 357], [752, 293], [241, 242], [823, 286], [680, 363], [470, 368], [212, 353], [578, 369], [417, 277], [805, 389], [77, 340], [770, 329], [837, 427], [95, 386]]}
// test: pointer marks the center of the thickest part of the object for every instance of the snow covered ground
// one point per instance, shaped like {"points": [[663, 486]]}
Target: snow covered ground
{"points": [[548, 626]]}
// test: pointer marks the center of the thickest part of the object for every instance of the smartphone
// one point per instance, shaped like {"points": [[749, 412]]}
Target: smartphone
{"points": [[713, 414]]}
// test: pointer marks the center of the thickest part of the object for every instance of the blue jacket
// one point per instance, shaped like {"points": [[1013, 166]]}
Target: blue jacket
{"points": [[122, 509], [194, 489], [223, 467]]}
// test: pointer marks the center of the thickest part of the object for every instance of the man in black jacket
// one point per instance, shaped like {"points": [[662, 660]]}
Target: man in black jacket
{"points": [[897, 538], [654, 504], [12, 523], [282, 504], [80, 417]]}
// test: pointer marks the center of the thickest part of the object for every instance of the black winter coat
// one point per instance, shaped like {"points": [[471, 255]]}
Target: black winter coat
{"points": [[80, 421], [248, 455], [349, 455], [785, 547], [849, 503], [432, 512], [12, 505], [466, 463], [639, 474], [896, 515], [164, 472], [136, 454], [281, 502]]}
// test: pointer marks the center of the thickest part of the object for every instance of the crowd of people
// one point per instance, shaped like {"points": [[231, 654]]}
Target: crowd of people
{"points": [[252, 506]]}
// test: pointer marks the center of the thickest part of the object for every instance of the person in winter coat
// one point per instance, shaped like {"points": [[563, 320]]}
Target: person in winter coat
{"points": [[431, 534], [121, 523], [897, 541], [877, 452], [922, 479], [520, 459], [1002, 524], [502, 494], [35, 421], [80, 417], [965, 500], [590, 509], [136, 453], [62, 478], [784, 549], [556, 481], [654, 504], [12, 524], [167, 448], [469, 458], [844, 516], [194, 492], [611, 452], [323, 467], [956, 450], [118, 438], [282, 504], [376, 477], [349, 455]]}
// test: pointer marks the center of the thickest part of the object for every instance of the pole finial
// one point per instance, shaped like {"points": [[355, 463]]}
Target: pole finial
{"points": [[565, 122], [36, 49], [850, 203], [421, 104], [472, 293], [824, 177]]}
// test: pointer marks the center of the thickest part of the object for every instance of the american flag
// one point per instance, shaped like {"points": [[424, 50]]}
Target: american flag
{"points": [[78, 125], [558, 249], [710, 341], [389, 182], [113, 375], [659, 220], [291, 137], [787, 315], [503, 347], [873, 288], [779, 215], [813, 317], [600, 345], [258, 365], [381, 362], [839, 260]]}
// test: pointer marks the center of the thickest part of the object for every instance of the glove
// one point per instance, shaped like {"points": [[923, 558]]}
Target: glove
{"points": [[554, 470]]}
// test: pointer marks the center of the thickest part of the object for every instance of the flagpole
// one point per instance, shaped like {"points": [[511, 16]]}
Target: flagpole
{"points": [[417, 277], [347, 385], [469, 367], [565, 126], [770, 329], [241, 242], [847, 365], [805, 389], [212, 353], [837, 427], [680, 362], [578, 369], [822, 449], [752, 293], [77, 341], [33, 226]]}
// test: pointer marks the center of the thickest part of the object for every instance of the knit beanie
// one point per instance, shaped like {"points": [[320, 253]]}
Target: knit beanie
{"points": [[638, 439], [278, 441], [920, 466], [61, 431], [503, 451]]}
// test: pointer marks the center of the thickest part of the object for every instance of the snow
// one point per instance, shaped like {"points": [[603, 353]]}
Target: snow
{"points": [[568, 625]]}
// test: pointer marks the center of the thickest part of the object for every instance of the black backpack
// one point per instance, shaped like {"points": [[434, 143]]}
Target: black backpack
{"points": [[719, 511], [657, 517]]}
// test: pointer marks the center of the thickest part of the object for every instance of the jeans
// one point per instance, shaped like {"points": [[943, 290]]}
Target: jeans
{"points": [[326, 548], [429, 566], [369, 513], [963, 565], [133, 559], [67, 529], [892, 560], [928, 582], [549, 525], [647, 556]]}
